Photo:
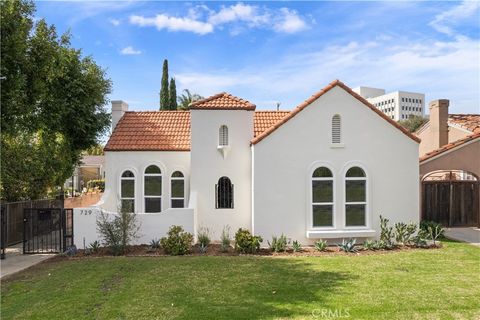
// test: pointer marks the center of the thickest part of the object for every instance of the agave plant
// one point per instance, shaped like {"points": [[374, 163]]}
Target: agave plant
{"points": [[296, 246], [348, 245], [320, 245]]}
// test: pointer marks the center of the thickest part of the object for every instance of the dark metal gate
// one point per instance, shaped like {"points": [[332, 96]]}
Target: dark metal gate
{"points": [[47, 230], [451, 203]]}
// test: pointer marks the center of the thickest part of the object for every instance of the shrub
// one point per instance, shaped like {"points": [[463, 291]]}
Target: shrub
{"points": [[370, 245], [435, 232], [119, 232], [155, 243], [348, 245], [94, 246], [320, 245], [278, 244], [99, 184], [404, 232], [420, 240], [177, 242], [245, 242], [296, 246], [225, 239], [386, 234], [203, 239]]}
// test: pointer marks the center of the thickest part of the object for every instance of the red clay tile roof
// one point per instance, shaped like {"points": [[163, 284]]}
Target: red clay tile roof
{"points": [[470, 122], [151, 131], [265, 119], [317, 95], [450, 146], [222, 101], [168, 130]]}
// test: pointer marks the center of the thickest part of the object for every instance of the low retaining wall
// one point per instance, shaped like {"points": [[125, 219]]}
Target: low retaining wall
{"points": [[84, 200], [152, 225]]}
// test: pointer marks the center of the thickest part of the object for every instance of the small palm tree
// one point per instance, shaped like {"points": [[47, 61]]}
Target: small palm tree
{"points": [[186, 98]]}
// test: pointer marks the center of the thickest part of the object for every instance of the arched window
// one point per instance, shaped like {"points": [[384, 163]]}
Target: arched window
{"points": [[355, 197], [336, 129], [223, 136], [153, 189], [224, 194], [178, 190], [127, 191], [322, 197]]}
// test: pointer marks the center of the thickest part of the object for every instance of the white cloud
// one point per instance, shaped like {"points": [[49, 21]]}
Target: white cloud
{"points": [[445, 21], [440, 69], [202, 20], [130, 51], [115, 22], [290, 22], [163, 21]]}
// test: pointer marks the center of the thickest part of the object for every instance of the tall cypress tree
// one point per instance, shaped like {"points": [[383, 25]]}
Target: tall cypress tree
{"points": [[173, 95], [164, 94]]}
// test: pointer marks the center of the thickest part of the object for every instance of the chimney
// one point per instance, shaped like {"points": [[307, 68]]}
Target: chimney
{"points": [[118, 109], [439, 122]]}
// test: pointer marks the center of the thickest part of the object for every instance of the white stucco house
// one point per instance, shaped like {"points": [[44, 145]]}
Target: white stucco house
{"points": [[326, 170]]}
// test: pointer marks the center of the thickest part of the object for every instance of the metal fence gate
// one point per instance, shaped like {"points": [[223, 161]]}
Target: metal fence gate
{"points": [[47, 230], [451, 203]]}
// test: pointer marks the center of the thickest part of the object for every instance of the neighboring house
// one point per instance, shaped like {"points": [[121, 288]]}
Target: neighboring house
{"points": [[90, 168], [327, 169], [450, 166], [398, 105]]}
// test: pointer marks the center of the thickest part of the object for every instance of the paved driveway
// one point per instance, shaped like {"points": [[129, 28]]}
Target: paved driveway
{"points": [[470, 235], [16, 261]]}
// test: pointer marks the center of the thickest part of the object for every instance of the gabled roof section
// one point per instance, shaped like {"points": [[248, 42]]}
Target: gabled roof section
{"points": [[450, 146], [265, 119], [151, 131], [469, 122], [317, 95], [222, 101]]}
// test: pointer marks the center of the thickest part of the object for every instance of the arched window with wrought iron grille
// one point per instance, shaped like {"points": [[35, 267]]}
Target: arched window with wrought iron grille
{"points": [[224, 194]]}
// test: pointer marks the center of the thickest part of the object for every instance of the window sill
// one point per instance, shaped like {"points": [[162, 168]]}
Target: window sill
{"points": [[223, 150], [337, 145], [360, 233]]}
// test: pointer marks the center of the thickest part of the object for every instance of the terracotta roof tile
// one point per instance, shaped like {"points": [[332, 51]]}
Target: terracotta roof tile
{"points": [[222, 101], [265, 119], [317, 95], [470, 122], [450, 146], [168, 130], [151, 131]]}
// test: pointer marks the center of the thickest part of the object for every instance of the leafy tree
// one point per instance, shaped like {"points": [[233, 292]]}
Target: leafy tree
{"points": [[164, 93], [96, 150], [173, 95], [52, 104], [186, 98], [413, 123]]}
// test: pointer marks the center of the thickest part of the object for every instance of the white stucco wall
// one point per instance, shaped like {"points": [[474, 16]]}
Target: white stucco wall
{"points": [[208, 165], [119, 161], [152, 225], [285, 160]]}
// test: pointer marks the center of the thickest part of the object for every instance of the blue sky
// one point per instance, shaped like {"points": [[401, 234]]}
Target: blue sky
{"points": [[279, 51]]}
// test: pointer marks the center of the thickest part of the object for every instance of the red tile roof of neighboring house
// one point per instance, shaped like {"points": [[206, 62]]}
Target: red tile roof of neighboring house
{"points": [[317, 95], [168, 130], [450, 146], [151, 131], [222, 101], [470, 122], [265, 119]]}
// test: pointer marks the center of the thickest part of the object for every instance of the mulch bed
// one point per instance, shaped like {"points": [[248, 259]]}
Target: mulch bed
{"points": [[215, 250]]}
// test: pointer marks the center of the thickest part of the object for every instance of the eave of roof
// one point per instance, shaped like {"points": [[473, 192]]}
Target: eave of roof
{"points": [[207, 103], [317, 95], [450, 147]]}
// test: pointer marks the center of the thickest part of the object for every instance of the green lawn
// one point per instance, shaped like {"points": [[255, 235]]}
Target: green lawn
{"points": [[412, 284]]}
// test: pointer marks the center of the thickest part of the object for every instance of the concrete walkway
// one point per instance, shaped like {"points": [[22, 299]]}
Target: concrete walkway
{"points": [[470, 235], [16, 261]]}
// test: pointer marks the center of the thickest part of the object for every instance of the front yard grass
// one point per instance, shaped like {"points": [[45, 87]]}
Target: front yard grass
{"points": [[411, 284]]}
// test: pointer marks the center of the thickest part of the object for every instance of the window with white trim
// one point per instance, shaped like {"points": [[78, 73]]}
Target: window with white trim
{"points": [[336, 129], [355, 197], [322, 198], [223, 136], [177, 182], [153, 189], [127, 191]]}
